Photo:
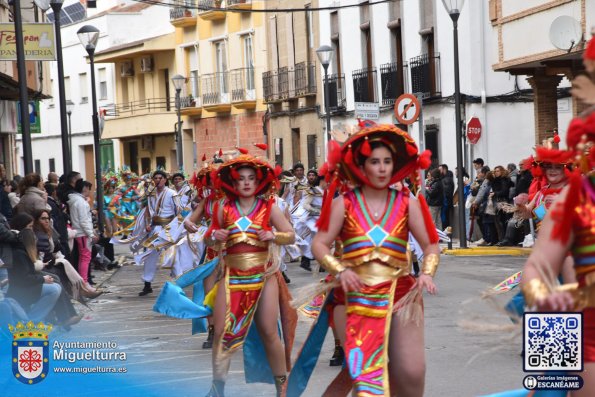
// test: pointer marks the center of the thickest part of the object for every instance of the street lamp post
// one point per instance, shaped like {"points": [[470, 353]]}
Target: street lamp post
{"points": [[23, 90], [69, 109], [88, 36], [325, 54], [453, 7], [56, 6], [179, 81]]}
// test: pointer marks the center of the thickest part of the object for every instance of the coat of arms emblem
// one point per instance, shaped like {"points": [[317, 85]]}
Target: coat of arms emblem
{"points": [[30, 351]]}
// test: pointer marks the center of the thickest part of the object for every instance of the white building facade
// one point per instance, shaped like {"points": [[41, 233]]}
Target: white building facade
{"points": [[119, 22], [386, 49]]}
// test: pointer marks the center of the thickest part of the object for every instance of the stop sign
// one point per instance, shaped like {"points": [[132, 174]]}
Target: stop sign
{"points": [[474, 130]]}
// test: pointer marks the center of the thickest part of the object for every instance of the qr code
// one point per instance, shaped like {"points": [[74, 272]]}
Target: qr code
{"points": [[553, 341]]}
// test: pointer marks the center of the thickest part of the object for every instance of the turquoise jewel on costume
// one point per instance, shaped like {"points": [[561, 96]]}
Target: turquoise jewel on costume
{"points": [[243, 223], [377, 235]]}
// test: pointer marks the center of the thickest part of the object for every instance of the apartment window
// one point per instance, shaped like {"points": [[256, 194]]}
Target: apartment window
{"points": [[67, 95], [309, 25], [336, 42], [161, 162], [103, 83], [249, 61], [221, 64], [273, 40], [52, 165], [145, 164], [366, 35], [38, 167], [83, 88], [140, 80], [194, 76]]}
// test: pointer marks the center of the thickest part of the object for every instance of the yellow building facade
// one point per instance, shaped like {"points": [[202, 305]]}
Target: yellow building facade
{"points": [[221, 50], [144, 116]]}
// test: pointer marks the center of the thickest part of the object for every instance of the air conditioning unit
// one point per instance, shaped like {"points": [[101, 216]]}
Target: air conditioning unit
{"points": [[126, 69], [146, 64], [147, 143]]}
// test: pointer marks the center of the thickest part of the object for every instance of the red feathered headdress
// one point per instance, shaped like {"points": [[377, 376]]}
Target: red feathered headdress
{"points": [[342, 166], [590, 50], [227, 173]]}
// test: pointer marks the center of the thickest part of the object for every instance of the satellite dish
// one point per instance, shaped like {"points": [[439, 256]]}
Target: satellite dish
{"points": [[565, 32]]}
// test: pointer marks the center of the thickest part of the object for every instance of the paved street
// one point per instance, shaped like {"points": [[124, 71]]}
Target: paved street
{"points": [[165, 352]]}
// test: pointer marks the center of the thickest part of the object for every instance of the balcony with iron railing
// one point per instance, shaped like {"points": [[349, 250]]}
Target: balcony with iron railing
{"points": [[239, 4], [336, 88], [137, 118], [270, 86], [190, 99], [215, 92], [364, 85], [425, 75], [305, 79], [210, 10], [393, 82], [183, 16], [289, 83], [243, 89]]}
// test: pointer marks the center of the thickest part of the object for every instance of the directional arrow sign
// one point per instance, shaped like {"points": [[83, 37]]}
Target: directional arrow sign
{"points": [[407, 109]]}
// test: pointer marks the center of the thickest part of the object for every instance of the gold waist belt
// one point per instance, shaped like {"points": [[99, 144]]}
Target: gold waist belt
{"points": [[128, 200], [160, 221], [247, 260], [373, 273]]}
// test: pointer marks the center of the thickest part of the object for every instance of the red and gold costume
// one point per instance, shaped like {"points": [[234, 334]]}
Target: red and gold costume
{"points": [[248, 264], [376, 250], [575, 216]]}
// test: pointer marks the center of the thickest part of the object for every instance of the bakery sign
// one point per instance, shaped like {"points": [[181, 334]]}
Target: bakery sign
{"points": [[38, 39]]}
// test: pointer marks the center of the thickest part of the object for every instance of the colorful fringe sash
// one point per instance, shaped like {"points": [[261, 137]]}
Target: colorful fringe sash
{"points": [[243, 291], [369, 315]]}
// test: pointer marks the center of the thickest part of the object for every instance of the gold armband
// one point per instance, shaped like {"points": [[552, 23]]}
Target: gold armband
{"points": [[534, 290], [430, 264], [284, 238], [332, 264]]}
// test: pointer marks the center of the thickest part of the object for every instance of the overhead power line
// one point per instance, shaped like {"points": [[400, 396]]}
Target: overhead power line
{"points": [[196, 6]]}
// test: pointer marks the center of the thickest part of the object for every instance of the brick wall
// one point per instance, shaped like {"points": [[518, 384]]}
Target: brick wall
{"points": [[223, 132], [545, 105]]}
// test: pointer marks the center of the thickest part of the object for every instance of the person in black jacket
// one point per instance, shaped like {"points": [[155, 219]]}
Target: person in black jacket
{"points": [[59, 218], [35, 292], [448, 186], [501, 189], [435, 196]]}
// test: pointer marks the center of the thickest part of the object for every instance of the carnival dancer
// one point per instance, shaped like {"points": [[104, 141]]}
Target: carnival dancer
{"points": [[373, 221], [184, 192], [129, 207], [293, 194], [160, 210], [550, 168], [305, 225], [569, 226], [202, 217], [252, 291], [111, 203]]}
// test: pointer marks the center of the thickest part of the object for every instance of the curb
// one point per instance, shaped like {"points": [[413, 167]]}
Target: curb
{"points": [[488, 251]]}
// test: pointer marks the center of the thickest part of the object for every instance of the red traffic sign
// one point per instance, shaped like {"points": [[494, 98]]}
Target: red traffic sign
{"points": [[473, 130], [407, 109]]}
